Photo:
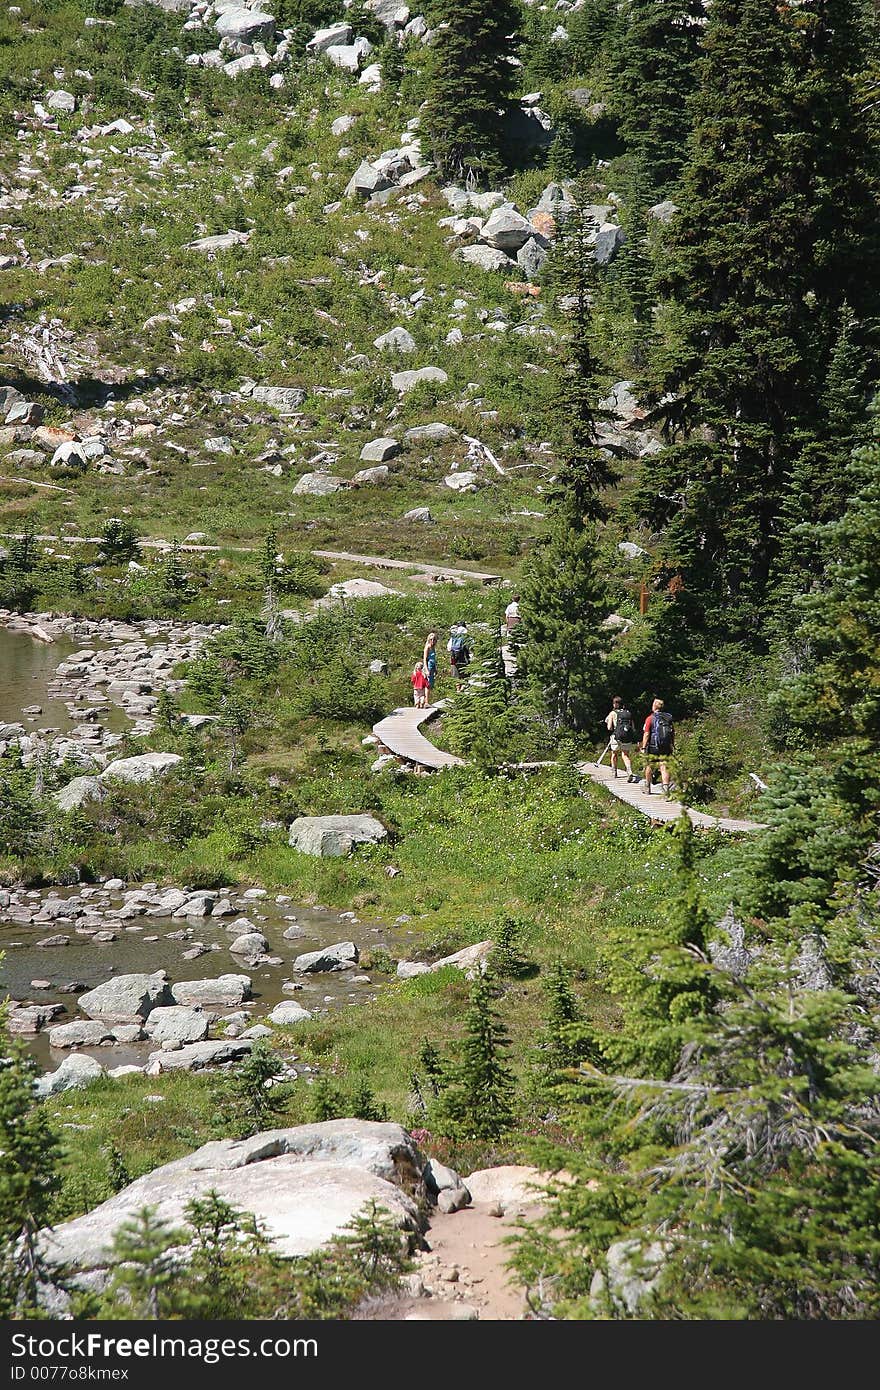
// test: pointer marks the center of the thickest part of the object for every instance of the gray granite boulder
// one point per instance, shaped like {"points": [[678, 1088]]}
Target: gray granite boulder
{"points": [[332, 836], [176, 1023], [144, 768], [344, 955], [126, 999], [302, 1184], [75, 1071], [226, 991]]}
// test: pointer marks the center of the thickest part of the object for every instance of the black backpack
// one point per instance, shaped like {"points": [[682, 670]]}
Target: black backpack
{"points": [[625, 728], [662, 735]]}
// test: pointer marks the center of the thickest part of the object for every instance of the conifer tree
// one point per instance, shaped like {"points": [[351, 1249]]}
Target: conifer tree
{"points": [[655, 78], [469, 78], [29, 1179], [564, 603], [146, 1269], [476, 1101], [837, 692], [760, 265]]}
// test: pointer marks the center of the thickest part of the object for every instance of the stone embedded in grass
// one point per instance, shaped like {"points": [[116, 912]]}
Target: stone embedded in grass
{"points": [[407, 381], [379, 450], [143, 768], [318, 485], [75, 1071], [395, 340], [289, 1012], [332, 836]]}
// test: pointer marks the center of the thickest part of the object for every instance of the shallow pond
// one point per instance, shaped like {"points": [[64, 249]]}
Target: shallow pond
{"points": [[91, 962], [27, 668]]}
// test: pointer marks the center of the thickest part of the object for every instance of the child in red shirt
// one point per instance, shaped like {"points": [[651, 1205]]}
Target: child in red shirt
{"points": [[420, 685]]}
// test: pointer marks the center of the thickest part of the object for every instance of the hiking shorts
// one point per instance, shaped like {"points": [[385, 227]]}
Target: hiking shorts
{"points": [[627, 748]]}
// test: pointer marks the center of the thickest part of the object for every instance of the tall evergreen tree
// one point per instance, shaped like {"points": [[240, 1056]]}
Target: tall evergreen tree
{"points": [[654, 80], [760, 265], [469, 78], [29, 1179], [836, 693]]}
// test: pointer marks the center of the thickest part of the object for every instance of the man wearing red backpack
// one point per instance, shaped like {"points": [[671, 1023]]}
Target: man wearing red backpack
{"points": [[658, 743]]}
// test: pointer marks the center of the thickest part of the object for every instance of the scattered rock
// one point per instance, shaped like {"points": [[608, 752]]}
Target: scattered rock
{"points": [[343, 956], [126, 999], [334, 835], [75, 1071], [289, 1012]]}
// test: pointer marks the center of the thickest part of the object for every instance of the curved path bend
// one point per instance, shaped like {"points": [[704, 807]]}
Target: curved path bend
{"points": [[400, 734]]}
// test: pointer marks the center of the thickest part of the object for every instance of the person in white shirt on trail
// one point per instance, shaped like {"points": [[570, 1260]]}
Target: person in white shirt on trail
{"points": [[512, 614], [622, 728]]}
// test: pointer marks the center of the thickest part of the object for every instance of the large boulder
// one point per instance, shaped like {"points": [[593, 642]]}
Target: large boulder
{"points": [[328, 38], [435, 433], [144, 768], [226, 991], [302, 1184], [80, 1032], [484, 257], [331, 836], [379, 450], [407, 381], [513, 1186], [75, 1071], [176, 1023], [195, 1056], [250, 946], [318, 485], [245, 25], [78, 792], [344, 955], [367, 180], [506, 229], [395, 340], [289, 1012], [126, 999]]}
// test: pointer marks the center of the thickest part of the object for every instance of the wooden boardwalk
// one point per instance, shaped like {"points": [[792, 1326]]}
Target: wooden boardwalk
{"points": [[659, 807], [399, 733]]}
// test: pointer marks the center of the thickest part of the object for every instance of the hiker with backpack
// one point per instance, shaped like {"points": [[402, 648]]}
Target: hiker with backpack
{"points": [[658, 743], [622, 728], [459, 653]]}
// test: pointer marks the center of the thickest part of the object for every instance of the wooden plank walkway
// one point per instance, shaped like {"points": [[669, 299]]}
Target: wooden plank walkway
{"points": [[381, 562], [659, 807], [399, 733]]}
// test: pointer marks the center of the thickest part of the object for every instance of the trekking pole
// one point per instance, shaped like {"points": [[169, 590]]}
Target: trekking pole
{"points": [[602, 754]]}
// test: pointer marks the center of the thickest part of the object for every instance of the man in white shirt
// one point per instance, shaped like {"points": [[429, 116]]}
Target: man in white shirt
{"points": [[512, 614]]}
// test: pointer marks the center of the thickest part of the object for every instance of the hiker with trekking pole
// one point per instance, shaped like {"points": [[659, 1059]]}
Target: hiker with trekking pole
{"points": [[622, 741]]}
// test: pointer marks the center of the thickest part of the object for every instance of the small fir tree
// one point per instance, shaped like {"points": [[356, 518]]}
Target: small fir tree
{"points": [[476, 1101]]}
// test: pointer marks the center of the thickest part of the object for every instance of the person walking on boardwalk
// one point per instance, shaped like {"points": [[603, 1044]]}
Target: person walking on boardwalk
{"points": [[658, 744], [429, 657], [459, 650], [512, 616], [419, 680], [622, 728]]}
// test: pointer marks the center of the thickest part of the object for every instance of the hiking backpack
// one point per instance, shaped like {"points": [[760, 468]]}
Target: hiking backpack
{"points": [[625, 728], [662, 735], [459, 649]]}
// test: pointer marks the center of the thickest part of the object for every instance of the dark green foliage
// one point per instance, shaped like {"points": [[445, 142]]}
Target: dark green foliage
{"points": [[29, 1179], [476, 1099], [254, 1095], [507, 961], [757, 272], [467, 83], [146, 1268], [654, 80], [564, 604], [119, 542], [837, 693]]}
